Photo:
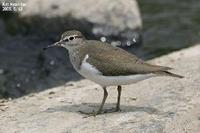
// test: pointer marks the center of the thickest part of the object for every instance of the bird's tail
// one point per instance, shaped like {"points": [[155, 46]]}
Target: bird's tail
{"points": [[166, 73]]}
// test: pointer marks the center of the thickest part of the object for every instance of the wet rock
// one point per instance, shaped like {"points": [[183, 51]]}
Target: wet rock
{"points": [[2, 28], [1, 71], [118, 21]]}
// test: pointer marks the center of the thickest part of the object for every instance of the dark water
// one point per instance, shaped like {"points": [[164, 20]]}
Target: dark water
{"points": [[169, 25]]}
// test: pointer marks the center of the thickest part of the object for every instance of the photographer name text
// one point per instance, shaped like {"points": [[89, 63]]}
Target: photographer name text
{"points": [[12, 7]]}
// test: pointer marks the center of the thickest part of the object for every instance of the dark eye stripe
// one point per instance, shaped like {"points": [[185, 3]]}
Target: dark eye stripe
{"points": [[78, 36], [71, 38]]}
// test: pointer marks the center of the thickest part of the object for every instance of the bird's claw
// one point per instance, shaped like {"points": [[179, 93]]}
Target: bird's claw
{"points": [[89, 114], [94, 114]]}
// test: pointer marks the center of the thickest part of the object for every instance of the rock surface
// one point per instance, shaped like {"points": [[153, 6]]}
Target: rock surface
{"points": [[157, 105]]}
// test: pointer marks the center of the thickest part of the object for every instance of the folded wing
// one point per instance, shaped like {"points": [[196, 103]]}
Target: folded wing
{"points": [[112, 61]]}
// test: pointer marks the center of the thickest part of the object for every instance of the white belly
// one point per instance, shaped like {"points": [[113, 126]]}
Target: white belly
{"points": [[91, 73], [117, 80]]}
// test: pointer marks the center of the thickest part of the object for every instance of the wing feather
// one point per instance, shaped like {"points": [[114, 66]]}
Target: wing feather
{"points": [[120, 62]]}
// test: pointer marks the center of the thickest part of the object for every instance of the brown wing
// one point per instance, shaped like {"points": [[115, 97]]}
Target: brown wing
{"points": [[112, 61]]}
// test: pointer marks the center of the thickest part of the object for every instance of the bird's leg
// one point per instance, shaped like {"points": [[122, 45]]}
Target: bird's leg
{"points": [[105, 94], [117, 108], [119, 88]]}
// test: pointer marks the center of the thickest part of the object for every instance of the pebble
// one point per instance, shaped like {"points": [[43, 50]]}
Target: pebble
{"points": [[51, 92]]}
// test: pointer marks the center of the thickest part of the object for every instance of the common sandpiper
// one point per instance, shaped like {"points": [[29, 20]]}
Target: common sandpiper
{"points": [[107, 65]]}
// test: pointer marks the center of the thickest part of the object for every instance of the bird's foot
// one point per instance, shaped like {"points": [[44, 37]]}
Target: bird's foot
{"points": [[89, 114], [112, 110], [94, 114], [117, 109]]}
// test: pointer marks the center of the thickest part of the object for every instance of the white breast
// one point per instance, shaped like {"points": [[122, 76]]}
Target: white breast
{"points": [[90, 72]]}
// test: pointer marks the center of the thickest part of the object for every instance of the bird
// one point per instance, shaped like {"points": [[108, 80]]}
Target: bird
{"points": [[107, 65]]}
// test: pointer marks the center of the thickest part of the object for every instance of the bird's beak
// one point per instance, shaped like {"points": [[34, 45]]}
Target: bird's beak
{"points": [[52, 45]]}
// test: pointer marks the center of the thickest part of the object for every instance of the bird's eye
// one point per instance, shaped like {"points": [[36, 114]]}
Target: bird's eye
{"points": [[71, 38]]}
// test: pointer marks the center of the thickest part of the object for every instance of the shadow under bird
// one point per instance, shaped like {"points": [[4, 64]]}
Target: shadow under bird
{"points": [[107, 65]]}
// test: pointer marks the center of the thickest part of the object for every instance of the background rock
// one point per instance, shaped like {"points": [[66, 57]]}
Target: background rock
{"points": [[157, 105], [118, 21]]}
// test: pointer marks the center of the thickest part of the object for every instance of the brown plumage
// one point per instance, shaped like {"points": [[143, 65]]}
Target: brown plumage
{"points": [[119, 63]]}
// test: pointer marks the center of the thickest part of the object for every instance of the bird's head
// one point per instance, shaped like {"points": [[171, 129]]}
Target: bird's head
{"points": [[69, 39]]}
